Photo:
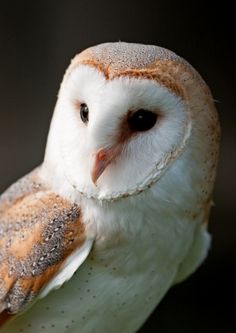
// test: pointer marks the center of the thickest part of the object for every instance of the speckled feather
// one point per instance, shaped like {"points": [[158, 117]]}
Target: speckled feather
{"points": [[39, 230], [136, 60], [120, 57]]}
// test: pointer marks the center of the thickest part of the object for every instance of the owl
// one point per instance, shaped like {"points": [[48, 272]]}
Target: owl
{"points": [[93, 238]]}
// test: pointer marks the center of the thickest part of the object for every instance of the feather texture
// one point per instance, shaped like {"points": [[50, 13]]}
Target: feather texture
{"points": [[40, 232]]}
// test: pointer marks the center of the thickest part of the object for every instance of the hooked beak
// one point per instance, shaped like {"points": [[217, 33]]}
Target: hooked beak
{"points": [[102, 160]]}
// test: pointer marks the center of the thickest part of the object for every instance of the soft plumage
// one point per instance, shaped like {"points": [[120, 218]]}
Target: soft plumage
{"points": [[122, 204]]}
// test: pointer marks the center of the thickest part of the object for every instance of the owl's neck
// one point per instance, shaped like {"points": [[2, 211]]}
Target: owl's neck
{"points": [[144, 223]]}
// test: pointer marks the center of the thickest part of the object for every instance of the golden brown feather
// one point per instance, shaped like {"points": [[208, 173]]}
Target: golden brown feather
{"points": [[39, 230]]}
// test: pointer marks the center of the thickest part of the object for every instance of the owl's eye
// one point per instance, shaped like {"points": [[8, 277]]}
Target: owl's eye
{"points": [[142, 120], [84, 113]]}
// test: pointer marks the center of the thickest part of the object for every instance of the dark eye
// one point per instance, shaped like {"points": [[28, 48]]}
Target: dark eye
{"points": [[142, 120], [84, 113]]}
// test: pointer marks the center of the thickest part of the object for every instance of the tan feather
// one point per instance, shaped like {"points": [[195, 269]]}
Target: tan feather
{"points": [[39, 231]]}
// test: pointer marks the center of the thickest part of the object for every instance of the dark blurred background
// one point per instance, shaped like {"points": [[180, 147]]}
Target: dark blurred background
{"points": [[37, 41]]}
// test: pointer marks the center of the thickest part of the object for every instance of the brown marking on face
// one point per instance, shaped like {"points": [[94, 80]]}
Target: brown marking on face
{"points": [[160, 71], [158, 74], [98, 66], [146, 62], [77, 105], [124, 132]]}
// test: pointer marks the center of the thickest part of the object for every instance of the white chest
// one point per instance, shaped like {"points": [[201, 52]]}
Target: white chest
{"points": [[120, 283]]}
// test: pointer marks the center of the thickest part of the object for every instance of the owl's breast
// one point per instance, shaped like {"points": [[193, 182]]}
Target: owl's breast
{"points": [[133, 263]]}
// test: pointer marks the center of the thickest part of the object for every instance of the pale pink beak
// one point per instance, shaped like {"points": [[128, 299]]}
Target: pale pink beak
{"points": [[103, 159]]}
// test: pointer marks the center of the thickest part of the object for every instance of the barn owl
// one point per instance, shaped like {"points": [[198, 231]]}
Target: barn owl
{"points": [[117, 213]]}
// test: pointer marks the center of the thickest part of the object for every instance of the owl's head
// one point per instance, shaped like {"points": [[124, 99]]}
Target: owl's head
{"points": [[126, 114]]}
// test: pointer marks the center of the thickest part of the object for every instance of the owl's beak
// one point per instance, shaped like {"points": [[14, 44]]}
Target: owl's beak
{"points": [[103, 159]]}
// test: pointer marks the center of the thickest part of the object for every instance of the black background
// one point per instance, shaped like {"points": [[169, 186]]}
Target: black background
{"points": [[37, 41]]}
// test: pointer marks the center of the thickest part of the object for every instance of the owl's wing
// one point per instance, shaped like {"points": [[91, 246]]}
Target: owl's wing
{"points": [[42, 243]]}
